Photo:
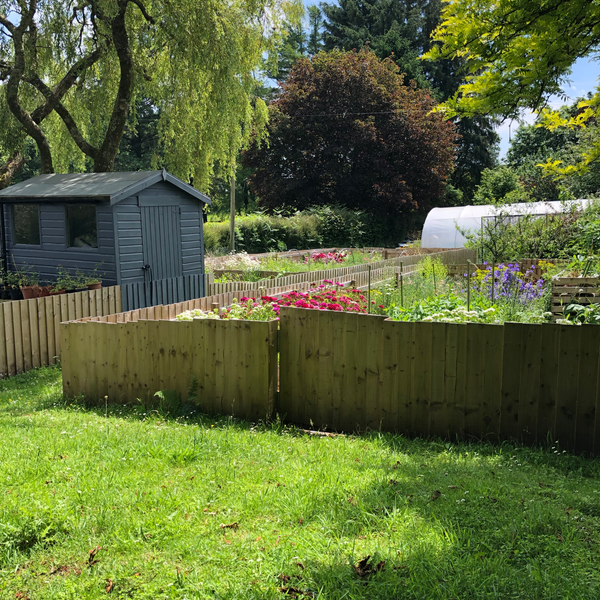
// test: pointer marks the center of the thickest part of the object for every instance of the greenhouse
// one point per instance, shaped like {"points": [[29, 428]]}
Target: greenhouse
{"points": [[443, 226]]}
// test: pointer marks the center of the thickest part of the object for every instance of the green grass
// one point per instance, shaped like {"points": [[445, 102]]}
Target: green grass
{"points": [[202, 508]]}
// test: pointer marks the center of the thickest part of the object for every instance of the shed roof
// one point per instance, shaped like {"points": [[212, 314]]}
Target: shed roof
{"points": [[98, 186]]}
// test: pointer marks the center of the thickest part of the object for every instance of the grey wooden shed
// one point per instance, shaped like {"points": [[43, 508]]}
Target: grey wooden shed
{"points": [[141, 230]]}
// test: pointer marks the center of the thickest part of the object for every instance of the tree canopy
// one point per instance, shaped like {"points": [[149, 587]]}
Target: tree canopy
{"points": [[519, 54], [401, 30], [73, 74], [346, 130]]}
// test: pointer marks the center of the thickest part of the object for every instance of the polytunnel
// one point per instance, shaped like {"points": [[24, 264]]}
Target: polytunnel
{"points": [[443, 226]]}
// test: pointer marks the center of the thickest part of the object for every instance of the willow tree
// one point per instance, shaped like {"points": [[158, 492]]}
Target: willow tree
{"points": [[71, 75]]}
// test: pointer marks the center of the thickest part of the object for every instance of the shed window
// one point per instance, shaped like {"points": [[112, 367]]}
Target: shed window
{"points": [[82, 231], [26, 222]]}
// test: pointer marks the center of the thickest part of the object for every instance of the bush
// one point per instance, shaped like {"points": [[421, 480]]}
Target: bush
{"points": [[323, 227]]}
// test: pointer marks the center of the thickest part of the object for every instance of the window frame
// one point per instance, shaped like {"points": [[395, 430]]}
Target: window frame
{"points": [[16, 244], [68, 233]]}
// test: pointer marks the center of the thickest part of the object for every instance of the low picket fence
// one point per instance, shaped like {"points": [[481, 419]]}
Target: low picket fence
{"points": [[29, 329], [448, 257]]}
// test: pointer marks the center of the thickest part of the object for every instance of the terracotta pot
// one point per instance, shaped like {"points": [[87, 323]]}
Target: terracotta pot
{"points": [[95, 286], [28, 292], [57, 292], [44, 291]]}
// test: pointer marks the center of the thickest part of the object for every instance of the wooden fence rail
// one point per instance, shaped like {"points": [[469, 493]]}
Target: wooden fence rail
{"points": [[29, 329]]}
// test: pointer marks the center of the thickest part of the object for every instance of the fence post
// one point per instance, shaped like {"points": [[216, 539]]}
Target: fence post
{"points": [[369, 293], [469, 284], [402, 284]]}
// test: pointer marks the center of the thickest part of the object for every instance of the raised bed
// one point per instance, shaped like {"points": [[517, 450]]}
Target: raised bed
{"points": [[574, 290]]}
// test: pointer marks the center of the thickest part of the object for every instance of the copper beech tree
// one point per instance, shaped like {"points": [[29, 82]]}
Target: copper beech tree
{"points": [[346, 130]]}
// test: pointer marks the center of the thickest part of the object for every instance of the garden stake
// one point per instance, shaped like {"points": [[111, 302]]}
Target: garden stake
{"points": [[402, 284], [369, 294], [493, 279], [434, 283], [468, 285]]}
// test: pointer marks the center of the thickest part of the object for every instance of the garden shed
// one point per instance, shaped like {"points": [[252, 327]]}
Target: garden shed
{"points": [[443, 226], [135, 228]]}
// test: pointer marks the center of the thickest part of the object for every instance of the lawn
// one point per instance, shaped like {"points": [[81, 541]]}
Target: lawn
{"points": [[114, 503]]}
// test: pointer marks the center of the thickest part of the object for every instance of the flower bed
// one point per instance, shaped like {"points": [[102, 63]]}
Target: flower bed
{"points": [[327, 296]]}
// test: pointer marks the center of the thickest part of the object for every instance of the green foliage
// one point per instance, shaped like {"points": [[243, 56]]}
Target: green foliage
{"points": [[501, 185], [519, 54], [156, 494], [324, 227], [346, 131], [503, 237], [196, 61]]}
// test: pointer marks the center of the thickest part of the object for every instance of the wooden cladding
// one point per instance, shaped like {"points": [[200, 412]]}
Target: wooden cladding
{"points": [[29, 329]]}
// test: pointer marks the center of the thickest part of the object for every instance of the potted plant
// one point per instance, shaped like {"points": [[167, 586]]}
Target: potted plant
{"points": [[12, 281], [94, 280], [29, 284]]}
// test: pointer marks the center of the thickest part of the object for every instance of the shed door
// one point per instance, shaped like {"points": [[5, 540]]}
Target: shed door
{"points": [[161, 240]]}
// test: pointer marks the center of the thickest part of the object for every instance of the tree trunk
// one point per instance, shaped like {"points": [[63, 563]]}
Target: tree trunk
{"points": [[105, 158], [10, 168]]}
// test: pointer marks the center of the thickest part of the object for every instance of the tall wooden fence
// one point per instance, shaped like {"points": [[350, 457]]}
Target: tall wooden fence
{"points": [[514, 381], [233, 363], [29, 329]]}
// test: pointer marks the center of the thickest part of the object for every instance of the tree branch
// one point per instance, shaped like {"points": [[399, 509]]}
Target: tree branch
{"points": [[142, 8], [64, 114], [12, 90], [12, 166]]}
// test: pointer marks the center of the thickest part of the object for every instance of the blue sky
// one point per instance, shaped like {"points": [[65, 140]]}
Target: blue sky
{"points": [[584, 79]]}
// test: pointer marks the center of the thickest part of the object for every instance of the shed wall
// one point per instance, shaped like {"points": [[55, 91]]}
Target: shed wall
{"points": [[128, 226], [53, 250]]}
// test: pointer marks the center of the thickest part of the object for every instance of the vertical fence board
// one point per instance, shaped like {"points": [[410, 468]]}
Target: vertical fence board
{"points": [[438, 408], [568, 379], [337, 372], [421, 379], [3, 340], [23, 309], [492, 392], [511, 381], [10, 338], [345, 360], [324, 365], [34, 333], [389, 366], [406, 358], [475, 379], [43, 331], [455, 416], [529, 392], [587, 389]]}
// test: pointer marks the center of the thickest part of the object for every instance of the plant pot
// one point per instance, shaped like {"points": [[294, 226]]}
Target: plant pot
{"points": [[28, 292], [44, 291], [80, 289], [57, 292], [5, 293], [15, 294], [94, 286]]}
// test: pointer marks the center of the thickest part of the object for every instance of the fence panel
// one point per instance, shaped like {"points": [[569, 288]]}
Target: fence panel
{"points": [[29, 333], [233, 362]]}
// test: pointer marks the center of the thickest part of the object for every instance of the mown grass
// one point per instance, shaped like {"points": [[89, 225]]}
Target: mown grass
{"points": [[201, 508]]}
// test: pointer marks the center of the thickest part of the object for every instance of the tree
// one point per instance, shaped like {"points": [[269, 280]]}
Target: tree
{"points": [[402, 29], [519, 54], [346, 131], [72, 75]]}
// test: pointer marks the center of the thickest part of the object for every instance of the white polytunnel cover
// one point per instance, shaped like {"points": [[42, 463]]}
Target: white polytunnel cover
{"points": [[441, 228]]}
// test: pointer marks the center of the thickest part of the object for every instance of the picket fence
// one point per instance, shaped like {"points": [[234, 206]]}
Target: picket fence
{"points": [[447, 257], [29, 329]]}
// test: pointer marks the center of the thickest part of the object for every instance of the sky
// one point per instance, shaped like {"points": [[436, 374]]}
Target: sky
{"points": [[584, 79]]}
